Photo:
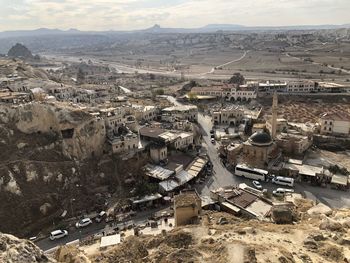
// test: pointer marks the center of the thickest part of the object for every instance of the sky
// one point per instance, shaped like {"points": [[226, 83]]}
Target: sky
{"points": [[140, 14]]}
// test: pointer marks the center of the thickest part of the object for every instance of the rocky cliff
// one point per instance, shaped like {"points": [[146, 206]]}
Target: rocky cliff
{"points": [[16, 250], [45, 151], [81, 134]]}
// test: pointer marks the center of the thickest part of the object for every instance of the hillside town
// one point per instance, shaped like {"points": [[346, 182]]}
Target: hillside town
{"points": [[92, 157]]}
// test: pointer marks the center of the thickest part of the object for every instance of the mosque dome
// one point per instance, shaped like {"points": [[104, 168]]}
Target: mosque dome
{"points": [[260, 139]]}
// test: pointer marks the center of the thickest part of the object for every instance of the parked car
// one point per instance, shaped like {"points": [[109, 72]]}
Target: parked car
{"points": [[283, 181], [100, 216], [282, 191], [83, 223], [212, 140], [212, 136], [257, 185], [211, 131], [57, 234]]}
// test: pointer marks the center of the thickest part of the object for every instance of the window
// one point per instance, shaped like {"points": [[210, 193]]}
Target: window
{"points": [[325, 122], [329, 129]]}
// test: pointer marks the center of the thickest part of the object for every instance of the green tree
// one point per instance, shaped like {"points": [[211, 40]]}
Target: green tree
{"points": [[192, 96], [159, 92], [237, 78]]}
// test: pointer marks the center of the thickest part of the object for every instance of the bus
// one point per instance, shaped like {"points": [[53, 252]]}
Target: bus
{"points": [[251, 173]]}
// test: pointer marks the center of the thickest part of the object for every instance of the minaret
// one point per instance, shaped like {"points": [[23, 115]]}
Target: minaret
{"points": [[274, 116]]}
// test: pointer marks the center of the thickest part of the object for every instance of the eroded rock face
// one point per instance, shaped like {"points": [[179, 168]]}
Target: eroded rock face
{"points": [[16, 250], [82, 135]]}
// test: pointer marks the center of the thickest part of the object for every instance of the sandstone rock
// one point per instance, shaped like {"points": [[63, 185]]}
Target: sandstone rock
{"points": [[249, 230], [310, 244], [249, 255], [317, 237], [71, 254], [320, 209], [305, 258], [21, 145], [44, 209], [331, 224], [282, 215], [16, 250], [345, 240]]}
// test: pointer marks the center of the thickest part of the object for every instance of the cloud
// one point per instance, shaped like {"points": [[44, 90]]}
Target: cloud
{"points": [[135, 14]]}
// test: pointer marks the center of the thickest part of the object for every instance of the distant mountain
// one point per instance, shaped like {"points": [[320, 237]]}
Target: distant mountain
{"points": [[37, 32], [20, 51], [158, 29]]}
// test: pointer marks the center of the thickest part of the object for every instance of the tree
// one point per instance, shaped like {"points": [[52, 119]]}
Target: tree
{"points": [[159, 92], [237, 78], [192, 96]]}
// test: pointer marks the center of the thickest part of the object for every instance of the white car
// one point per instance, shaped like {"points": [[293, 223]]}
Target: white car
{"points": [[212, 140], [257, 185], [57, 234], [100, 216], [83, 223], [282, 191]]}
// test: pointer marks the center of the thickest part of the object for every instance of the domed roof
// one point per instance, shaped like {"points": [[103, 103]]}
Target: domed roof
{"points": [[260, 138]]}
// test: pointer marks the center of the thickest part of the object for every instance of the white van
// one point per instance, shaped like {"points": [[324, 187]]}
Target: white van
{"points": [[282, 191], [58, 234], [283, 181]]}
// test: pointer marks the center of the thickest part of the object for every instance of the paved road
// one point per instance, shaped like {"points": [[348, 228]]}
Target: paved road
{"points": [[94, 228], [222, 177]]}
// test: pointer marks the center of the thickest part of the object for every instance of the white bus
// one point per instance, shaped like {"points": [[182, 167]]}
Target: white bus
{"points": [[283, 181], [251, 173]]}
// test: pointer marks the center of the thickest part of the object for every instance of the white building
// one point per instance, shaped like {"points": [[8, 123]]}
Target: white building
{"points": [[183, 112], [145, 113], [158, 153], [114, 117], [335, 124], [281, 125], [303, 86], [227, 91], [229, 116], [299, 86], [125, 143], [183, 141]]}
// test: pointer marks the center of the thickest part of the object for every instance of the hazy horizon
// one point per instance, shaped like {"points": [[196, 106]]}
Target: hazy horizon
{"points": [[101, 15]]}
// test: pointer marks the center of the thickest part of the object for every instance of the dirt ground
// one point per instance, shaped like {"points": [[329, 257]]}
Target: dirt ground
{"points": [[307, 109], [316, 238]]}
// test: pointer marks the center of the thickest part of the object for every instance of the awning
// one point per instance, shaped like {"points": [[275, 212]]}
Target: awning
{"points": [[339, 179], [147, 198], [110, 240]]}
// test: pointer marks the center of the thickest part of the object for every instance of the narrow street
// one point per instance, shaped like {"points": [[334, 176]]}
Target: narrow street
{"points": [[95, 228]]}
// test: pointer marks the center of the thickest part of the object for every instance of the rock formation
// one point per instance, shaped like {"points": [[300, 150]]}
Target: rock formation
{"points": [[16, 250], [20, 51]]}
